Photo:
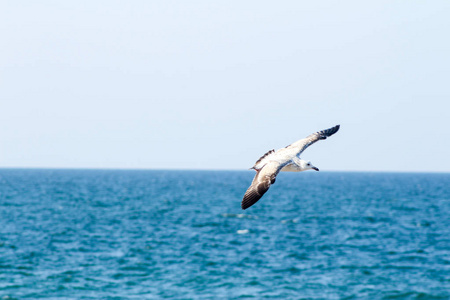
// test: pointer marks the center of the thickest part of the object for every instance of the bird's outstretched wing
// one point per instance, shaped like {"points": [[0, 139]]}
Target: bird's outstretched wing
{"points": [[260, 184], [311, 139]]}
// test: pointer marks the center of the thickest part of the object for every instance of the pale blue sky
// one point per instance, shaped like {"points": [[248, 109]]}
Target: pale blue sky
{"points": [[215, 84]]}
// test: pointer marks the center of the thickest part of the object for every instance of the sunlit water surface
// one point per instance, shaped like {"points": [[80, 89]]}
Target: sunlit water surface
{"points": [[91, 234]]}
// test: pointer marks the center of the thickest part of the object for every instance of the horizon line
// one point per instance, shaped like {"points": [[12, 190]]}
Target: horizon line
{"points": [[204, 169]]}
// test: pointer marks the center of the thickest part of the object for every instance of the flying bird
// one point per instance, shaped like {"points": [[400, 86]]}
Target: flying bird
{"points": [[286, 159]]}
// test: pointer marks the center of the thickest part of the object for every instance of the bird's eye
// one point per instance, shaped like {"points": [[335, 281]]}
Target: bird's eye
{"points": [[309, 164]]}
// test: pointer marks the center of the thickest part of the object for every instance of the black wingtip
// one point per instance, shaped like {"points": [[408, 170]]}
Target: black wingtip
{"points": [[245, 204], [332, 130], [249, 199]]}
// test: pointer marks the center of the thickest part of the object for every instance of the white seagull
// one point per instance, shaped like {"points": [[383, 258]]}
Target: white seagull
{"points": [[287, 159]]}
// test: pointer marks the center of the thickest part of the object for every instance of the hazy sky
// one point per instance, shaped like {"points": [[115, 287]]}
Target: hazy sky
{"points": [[215, 84]]}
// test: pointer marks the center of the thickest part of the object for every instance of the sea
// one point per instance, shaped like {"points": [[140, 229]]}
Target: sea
{"points": [[166, 234]]}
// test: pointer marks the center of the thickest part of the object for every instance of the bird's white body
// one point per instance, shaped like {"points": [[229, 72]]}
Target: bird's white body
{"points": [[288, 159], [296, 165]]}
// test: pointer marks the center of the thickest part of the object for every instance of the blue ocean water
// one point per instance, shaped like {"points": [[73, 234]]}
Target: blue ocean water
{"points": [[102, 234]]}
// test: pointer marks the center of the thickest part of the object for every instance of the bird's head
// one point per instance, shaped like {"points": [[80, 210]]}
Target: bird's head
{"points": [[307, 165]]}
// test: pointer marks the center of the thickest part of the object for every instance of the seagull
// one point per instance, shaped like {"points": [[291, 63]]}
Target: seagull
{"points": [[286, 159]]}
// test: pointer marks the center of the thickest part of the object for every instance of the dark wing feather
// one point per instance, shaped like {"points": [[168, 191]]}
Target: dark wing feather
{"points": [[262, 157], [260, 185], [254, 193]]}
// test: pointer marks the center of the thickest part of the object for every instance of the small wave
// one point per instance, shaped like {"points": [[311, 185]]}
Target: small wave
{"points": [[239, 216], [290, 221]]}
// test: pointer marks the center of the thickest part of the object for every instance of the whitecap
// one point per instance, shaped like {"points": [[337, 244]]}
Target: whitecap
{"points": [[239, 216]]}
